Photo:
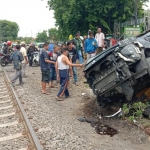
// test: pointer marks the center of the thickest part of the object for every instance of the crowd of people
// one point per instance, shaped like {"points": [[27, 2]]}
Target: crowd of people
{"points": [[59, 64]]}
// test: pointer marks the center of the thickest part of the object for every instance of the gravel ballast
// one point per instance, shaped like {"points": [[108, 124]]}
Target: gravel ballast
{"points": [[57, 125]]}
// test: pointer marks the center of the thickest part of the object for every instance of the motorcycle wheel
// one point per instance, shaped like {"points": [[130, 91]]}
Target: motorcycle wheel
{"points": [[37, 63], [3, 62]]}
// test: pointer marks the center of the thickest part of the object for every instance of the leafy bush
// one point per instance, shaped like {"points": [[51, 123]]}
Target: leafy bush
{"points": [[134, 111]]}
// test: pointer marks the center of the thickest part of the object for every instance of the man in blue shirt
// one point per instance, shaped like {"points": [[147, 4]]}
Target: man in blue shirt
{"points": [[45, 67], [51, 47], [90, 46], [17, 58], [53, 57]]}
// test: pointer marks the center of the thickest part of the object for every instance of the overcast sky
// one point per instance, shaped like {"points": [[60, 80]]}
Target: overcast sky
{"points": [[32, 16]]}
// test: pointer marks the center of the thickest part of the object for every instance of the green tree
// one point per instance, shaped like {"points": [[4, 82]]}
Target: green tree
{"points": [[27, 40], [54, 35], [80, 15], [42, 37], [9, 30]]}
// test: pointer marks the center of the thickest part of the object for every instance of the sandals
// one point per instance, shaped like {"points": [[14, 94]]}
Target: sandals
{"points": [[46, 93], [11, 83], [59, 99], [52, 86]]}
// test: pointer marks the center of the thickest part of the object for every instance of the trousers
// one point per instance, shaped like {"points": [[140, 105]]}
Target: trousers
{"points": [[24, 66], [17, 75], [80, 56], [64, 78], [74, 69], [89, 56], [30, 58]]}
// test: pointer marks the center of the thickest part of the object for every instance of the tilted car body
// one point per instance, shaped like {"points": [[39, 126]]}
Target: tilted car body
{"points": [[121, 71]]}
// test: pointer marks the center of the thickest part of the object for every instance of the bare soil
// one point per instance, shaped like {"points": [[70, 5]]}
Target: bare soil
{"points": [[129, 137]]}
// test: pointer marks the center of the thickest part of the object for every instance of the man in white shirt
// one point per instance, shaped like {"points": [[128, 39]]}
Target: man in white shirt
{"points": [[25, 61], [100, 40]]}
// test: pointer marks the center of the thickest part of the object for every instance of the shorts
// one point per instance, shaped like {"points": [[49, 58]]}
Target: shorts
{"points": [[45, 76], [52, 74]]}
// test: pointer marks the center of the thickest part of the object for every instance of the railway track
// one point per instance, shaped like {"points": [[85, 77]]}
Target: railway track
{"points": [[16, 132]]}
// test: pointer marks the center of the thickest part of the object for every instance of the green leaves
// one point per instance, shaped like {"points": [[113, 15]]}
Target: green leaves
{"points": [[42, 37], [9, 30], [54, 34], [81, 15], [134, 111], [105, 25]]}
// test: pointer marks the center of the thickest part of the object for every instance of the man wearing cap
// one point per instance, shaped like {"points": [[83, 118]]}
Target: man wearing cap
{"points": [[78, 44], [25, 61]]}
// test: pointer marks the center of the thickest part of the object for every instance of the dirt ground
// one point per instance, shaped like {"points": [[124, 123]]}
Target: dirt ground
{"points": [[129, 137]]}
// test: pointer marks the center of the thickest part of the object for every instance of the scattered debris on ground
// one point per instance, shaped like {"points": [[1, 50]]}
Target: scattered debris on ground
{"points": [[99, 127]]}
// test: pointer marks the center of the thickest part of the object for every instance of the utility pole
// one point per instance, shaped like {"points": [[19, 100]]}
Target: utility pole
{"points": [[135, 11]]}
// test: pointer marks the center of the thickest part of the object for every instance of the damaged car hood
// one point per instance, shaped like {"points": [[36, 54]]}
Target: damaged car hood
{"points": [[121, 68]]}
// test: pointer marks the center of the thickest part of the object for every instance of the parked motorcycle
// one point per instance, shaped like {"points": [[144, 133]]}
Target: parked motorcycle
{"points": [[36, 58], [5, 59]]}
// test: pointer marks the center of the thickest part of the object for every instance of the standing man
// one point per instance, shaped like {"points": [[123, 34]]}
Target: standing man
{"points": [[78, 44], [5, 48], [84, 39], [62, 70], [100, 40], [25, 61], [51, 47], [30, 52], [45, 67], [63, 46], [53, 57], [72, 57], [89, 32], [90, 46], [17, 58]]}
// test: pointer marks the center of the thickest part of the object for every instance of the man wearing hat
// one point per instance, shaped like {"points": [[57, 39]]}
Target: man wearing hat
{"points": [[25, 61], [78, 44]]}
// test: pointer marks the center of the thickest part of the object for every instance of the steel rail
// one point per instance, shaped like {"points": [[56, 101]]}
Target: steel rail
{"points": [[30, 132]]}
